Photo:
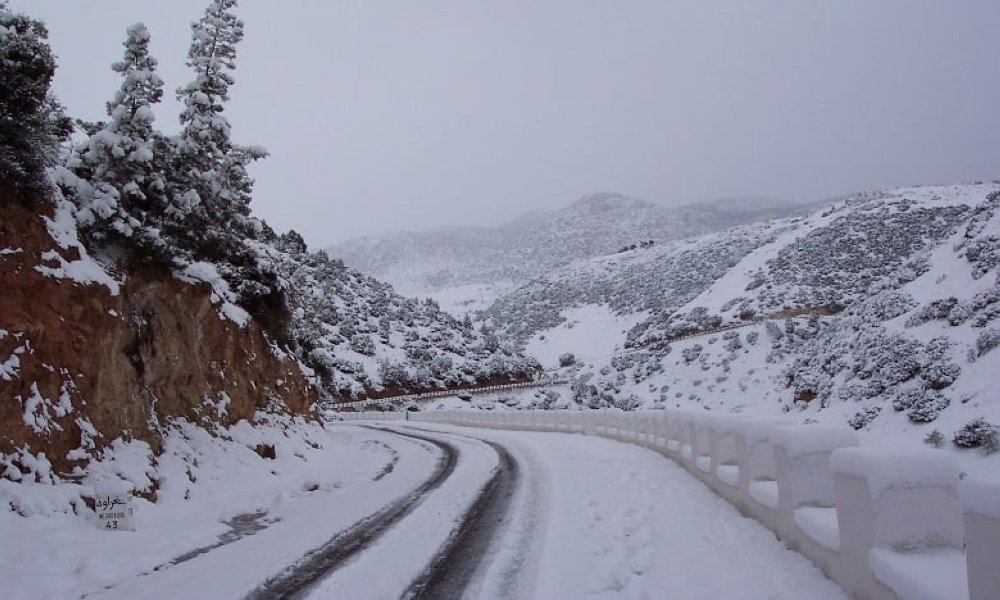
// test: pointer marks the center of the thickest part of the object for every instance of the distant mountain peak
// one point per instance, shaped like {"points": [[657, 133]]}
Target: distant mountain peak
{"points": [[602, 201]]}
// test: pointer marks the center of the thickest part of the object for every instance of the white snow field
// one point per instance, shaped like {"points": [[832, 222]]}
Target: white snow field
{"points": [[589, 518], [603, 519]]}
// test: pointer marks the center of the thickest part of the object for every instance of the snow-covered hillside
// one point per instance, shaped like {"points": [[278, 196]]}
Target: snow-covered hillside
{"points": [[463, 268], [880, 310], [363, 338]]}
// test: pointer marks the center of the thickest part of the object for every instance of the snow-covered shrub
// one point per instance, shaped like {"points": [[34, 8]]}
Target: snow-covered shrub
{"points": [[885, 306], [732, 341], [904, 399], [863, 417], [978, 433], [773, 331], [629, 402], [927, 408], [934, 438], [393, 374], [363, 344], [692, 353], [986, 341], [939, 371], [567, 359], [984, 254], [545, 399], [886, 356], [982, 251], [587, 394]]}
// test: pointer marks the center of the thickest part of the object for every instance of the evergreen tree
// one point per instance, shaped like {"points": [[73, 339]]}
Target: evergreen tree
{"points": [[124, 159], [214, 188], [32, 123], [211, 189]]}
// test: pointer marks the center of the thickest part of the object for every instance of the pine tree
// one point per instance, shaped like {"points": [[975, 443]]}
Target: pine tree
{"points": [[32, 123], [214, 187], [210, 186], [124, 159]]}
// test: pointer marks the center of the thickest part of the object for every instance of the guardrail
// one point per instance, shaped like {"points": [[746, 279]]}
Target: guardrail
{"points": [[405, 398], [881, 523]]}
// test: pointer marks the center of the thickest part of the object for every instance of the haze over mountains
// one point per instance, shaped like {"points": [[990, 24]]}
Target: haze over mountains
{"points": [[459, 265]]}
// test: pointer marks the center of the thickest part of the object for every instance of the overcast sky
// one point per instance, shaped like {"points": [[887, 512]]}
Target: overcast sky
{"points": [[387, 115]]}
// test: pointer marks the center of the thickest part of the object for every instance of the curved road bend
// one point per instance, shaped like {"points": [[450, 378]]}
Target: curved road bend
{"points": [[455, 565], [296, 582]]}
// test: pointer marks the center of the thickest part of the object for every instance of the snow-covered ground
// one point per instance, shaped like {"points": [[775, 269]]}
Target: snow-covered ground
{"points": [[590, 518], [612, 520], [319, 483], [593, 330]]}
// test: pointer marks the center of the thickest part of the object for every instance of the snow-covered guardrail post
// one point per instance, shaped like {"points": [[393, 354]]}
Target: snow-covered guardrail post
{"points": [[758, 474], [981, 503], [900, 524], [701, 447], [541, 420], [589, 422], [628, 434], [656, 431], [620, 424], [725, 460], [687, 444], [638, 426], [662, 432], [560, 421], [601, 422], [646, 430], [534, 420], [807, 517], [678, 432], [609, 423]]}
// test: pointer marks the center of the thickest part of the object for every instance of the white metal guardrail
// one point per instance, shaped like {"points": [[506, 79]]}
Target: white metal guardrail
{"points": [[881, 523], [361, 405]]}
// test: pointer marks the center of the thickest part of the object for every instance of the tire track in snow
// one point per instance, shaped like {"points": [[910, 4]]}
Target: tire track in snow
{"points": [[458, 562], [317, 564]]}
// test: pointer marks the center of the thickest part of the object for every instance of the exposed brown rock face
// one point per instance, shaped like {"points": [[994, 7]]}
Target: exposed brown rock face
{"points": [[122, 363]]}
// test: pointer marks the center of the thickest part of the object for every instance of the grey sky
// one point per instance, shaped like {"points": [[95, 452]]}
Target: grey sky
{"points": [[388, 115]]}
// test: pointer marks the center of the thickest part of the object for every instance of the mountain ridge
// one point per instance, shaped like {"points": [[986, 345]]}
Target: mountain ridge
{"points": [[434, 262]]}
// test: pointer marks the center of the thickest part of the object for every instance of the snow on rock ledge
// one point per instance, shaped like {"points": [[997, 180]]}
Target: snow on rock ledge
{"points": [[204, 272]]}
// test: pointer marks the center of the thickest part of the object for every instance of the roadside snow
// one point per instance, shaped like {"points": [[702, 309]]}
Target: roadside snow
{"points": [[227, 516]]}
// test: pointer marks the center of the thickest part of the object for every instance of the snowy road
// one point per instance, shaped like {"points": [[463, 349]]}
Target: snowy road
{"points": [[297, 580], [585, 517], [407, 510]]}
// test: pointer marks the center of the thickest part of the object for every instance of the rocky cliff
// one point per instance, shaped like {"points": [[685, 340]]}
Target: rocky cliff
{"points": [[88, 356]]}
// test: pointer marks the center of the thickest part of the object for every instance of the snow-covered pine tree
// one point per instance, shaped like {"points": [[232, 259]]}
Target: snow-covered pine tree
{"points": [[123, 160], [211, 189], [212, 184], [32, 123]]}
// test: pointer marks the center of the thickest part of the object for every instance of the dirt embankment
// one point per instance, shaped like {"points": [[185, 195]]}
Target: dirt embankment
{"points": [[76, 359]]}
